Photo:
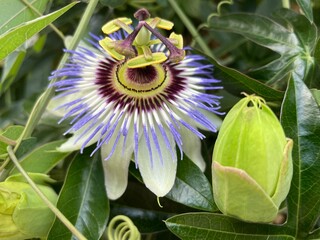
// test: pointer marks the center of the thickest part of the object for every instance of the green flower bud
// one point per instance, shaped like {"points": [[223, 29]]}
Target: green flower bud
{"points": [[252, 165], [23, 214]]}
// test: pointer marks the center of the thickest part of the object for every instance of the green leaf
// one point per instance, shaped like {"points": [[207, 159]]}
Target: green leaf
{"points": [[12, 133], [275, 72], [317, 52], [259, 29], [295, 40], [217, 226], [237, 82], [10, 69], [316, 95], [83, 199], [42, 159], [192, 188], [300, 118], [314, 235], [306, 7], [305, 31], [15, 12], [25, 146], [10, 40]]}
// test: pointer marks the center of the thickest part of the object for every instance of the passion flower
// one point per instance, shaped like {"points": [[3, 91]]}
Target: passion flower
{"points": [[137, 94]]}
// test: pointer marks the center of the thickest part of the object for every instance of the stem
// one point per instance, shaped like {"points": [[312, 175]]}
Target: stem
{"points": [[57, 31], [3, 171], [53, 208], [191, 28], [7, 140]]}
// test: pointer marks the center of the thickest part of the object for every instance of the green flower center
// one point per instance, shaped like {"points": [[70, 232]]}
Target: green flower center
{"points": [[137, 46], [133, 81]]}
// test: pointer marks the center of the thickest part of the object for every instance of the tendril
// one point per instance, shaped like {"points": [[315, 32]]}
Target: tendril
{"points": [[122, 228]]}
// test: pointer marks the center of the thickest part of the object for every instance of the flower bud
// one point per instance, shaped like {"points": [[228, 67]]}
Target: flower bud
{"points": [[252, 165], [23, 214]]}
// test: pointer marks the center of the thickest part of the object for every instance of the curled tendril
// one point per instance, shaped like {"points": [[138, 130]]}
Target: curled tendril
{"points": [[122, 228], [218, 13]]}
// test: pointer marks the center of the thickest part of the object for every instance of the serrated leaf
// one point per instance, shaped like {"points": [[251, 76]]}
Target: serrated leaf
{"points": [[42, 159], [306, 7], [10, 40], [15, 12], [216, 226], [192, 188], [83, 199], [300, 118]]}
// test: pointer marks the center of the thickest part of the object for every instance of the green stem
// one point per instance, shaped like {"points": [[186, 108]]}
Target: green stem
{"points": [[7, 140], [3, 171], [191, 28], [53, 208]]}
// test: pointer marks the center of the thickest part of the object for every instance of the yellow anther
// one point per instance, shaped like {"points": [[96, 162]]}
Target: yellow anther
{"points": [[108, 45], [176, 39], [153, 22], [115, 25], [160, 23], [141, 61], [154, 41]]}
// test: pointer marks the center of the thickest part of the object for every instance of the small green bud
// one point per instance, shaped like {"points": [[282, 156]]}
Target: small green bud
{"points": [[23, 214], [252, 165]]}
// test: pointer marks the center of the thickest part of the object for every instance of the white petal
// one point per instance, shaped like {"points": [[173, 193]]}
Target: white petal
{"points": [[213, 118], [56, 102], [192, 148], [158, 175], [75, 143], [116, 167]]}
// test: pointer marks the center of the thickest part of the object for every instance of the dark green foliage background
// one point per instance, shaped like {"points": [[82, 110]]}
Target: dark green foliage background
{"points": [[257, 47]]}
